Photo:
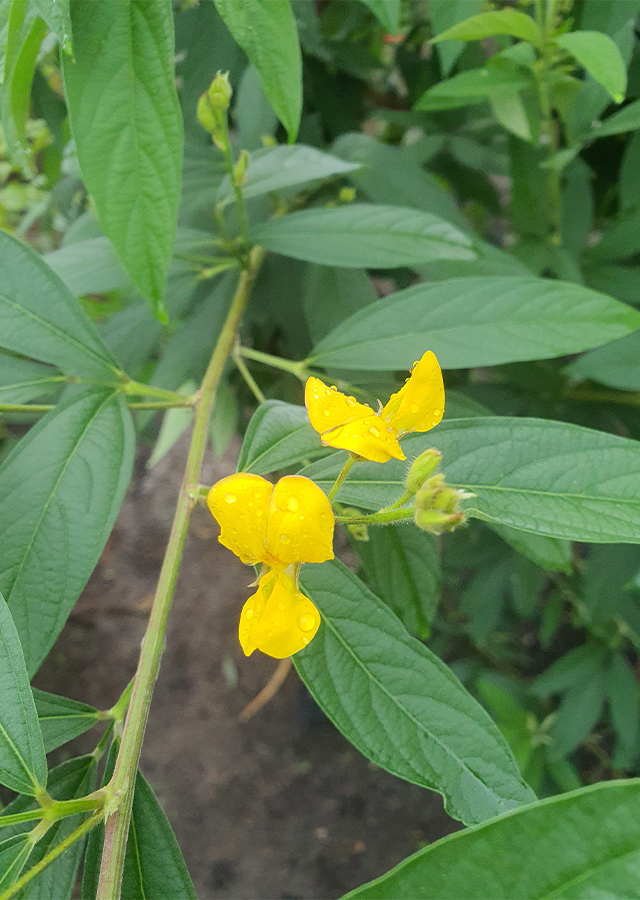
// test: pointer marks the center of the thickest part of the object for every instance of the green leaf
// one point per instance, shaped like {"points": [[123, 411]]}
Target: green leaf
{"points": [[399, 704], [576, 666], [542, 476], [403, 566], [254, 117], [14, 852], [600, 57], [387, 12], [361, 236], [444, 14], [41, 319], [330, 295], [22, 380], [621, 689], [484, 25], [284, 167], [57, 15], [153, 864], [266, 31], [174, 424], [475, 322], [89, 267], [627, 119], [550, 849], [25, 33], [225, 414], [550, 553], [60, 491], [23, 765], [474, 86], [62, 719], [279, 435], [70, 780], [616, 364], [579, 711], [127, 125]]}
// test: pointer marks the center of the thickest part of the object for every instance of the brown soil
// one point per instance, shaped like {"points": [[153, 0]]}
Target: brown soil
{"points": [[279, 807]]}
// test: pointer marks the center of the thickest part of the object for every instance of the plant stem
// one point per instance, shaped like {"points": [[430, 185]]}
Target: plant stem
{"points": [[163, 404], [276, 362], [545, 16], [17, 818], [628, 399], [122, 784], [341, 477], [25, 407], [148, 390], [248, 377], [379, 518], [80, 832]]}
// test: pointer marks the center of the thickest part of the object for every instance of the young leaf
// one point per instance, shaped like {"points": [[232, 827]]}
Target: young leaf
{"points": [[362, 236], [536, 475], [627, 119], [24, 35], [68, 781], [14, 852], [616, 364], [22, 380], [57, 15], [399, 704], [579, 710], [23, 765], [41, 319], [72, 469], [550, 849], [387, 12], [621, 689], [475, 86], [62, 719], [444, 14], [266, 31], [475, 322], [279, 435], [600, 57], [127, 125], [484, 25], [89, 267], [284, 167]]}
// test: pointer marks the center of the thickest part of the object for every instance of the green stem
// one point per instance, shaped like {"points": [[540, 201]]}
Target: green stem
{"points": [[602, 396], [25, 407], [148, 390], [76, 835], [341, 477], [276, 362], [163, 404], [122, 784], [17, 818], [545, 18], [241, 204], [119, 708], [248, 377], [379, 518]]}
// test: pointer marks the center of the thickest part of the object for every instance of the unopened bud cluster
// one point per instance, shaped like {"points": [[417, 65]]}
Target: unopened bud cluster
{"points": [[212, 109], [437, 506]]}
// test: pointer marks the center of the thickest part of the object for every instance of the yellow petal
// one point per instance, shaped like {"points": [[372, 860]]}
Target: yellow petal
{"points": [[300, 523], [329, 408], [371, 438], [278, 619], [419, 404], [240, 505]]}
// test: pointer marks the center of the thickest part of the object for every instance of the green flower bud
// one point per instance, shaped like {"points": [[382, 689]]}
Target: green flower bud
{"points": [[437, 522], [240, 169], [421, 468], [212, 109]]}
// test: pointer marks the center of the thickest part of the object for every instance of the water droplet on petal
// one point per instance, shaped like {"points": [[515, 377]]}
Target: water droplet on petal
{"points": [[248, 614], [316, 395], [374, 432], [293, 504], [351, 401], [413, 407], [333, 387], [284, 538], [258, 512], [327, 392], [305, 640], [230, 498], [437, 411], [307, 622], [326, 412], [281, 607], [257, 496]]}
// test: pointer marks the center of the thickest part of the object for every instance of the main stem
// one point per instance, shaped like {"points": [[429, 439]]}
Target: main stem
{"points": [[123, 781], [545, 16]]}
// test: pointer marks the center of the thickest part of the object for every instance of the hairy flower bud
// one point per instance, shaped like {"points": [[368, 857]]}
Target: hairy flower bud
{"points": [[212, 109], [421, 468]]}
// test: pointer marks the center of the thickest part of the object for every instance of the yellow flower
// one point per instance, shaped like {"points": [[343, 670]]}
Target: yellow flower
{"points": [[280, 526], [344, 423]]}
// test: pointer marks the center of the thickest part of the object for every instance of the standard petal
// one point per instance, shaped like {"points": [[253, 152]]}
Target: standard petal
{"points": [[278, 619], [328, 408], [301, 521], [370, 438], [240, 505], [419, 404]]}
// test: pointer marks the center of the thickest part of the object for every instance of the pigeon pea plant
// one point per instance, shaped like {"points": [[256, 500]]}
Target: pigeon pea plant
{"points": [[462, 153]]}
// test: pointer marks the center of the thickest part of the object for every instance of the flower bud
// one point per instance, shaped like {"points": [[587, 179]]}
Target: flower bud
{"points": [[421, 468], [240, 169], [212, 109], [437, 522], [360, 531], [437, 506]]}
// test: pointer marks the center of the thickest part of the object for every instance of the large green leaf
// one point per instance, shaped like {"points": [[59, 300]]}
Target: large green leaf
{"points": [[278, 436], [57, 15], [22, 380], [578, 846], [60, 491], [24, 34], [266, 31], [484, 25], [126, 121], [23, 765], [153, 864], [387, 12], [444, 14], [285, 167], [62, 719], [14, 852], [362, 236], [600, 56], [616, 364], [39, 317], [332, 294], [68, 781], [399, 704], [536, 475], [89, 267], [499, 79], [476, 322]]}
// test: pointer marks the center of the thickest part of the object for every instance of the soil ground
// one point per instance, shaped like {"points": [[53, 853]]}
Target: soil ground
{"points": [[278, 807]]}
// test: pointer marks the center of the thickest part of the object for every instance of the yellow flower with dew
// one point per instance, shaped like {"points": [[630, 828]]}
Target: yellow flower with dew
{"points": [[280, 526], [344, 423]]}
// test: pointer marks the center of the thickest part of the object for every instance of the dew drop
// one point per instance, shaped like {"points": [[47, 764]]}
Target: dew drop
{"points": [[326, 412], [307, 622], [305, 640], [374, 432], [258, 512], [302, 517], [293, 505], [413, 407], [327, 392], [415, 363], [230, 498], [281, 607], [351, 401], [250, 504], [284, 538], [316, 395], [248, 614], [257, 495], [437, 411], [333, 387]]}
